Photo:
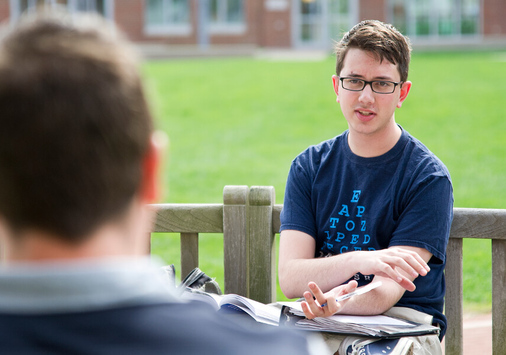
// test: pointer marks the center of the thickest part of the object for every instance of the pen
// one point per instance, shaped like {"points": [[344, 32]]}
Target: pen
{"points": [[358, 291]]}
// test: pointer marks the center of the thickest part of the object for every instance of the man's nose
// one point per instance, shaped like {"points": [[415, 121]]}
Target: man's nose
{"points": [[367, 95]]}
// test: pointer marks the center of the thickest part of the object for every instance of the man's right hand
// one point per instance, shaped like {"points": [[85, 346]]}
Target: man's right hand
{"points": [[312, 305]]}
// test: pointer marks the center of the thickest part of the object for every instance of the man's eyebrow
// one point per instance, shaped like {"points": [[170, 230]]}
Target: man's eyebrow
{"points": [[358, 76], [354, 76], [387, 78]]}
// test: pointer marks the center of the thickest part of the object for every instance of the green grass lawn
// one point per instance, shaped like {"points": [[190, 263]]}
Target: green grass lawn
{"points": [[242, 121]]}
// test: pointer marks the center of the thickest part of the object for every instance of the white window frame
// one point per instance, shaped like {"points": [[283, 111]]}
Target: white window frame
{"points": [[222, 26]]}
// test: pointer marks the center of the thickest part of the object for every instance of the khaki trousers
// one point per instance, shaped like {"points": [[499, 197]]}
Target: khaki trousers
{"points": [[422, 345]]}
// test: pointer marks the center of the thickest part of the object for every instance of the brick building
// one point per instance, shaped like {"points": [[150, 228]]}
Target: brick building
{"points": [[288, 23]]}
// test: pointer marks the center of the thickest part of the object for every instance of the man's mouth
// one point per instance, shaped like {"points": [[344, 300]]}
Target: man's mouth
{"points": [[365, 113]]}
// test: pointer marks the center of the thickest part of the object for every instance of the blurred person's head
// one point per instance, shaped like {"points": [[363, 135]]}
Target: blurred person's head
{"points": [[382, 40], [75, 137]]}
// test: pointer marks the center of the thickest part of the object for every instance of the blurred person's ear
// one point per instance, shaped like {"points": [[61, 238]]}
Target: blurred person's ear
{"points": [[150, 184], [4, 238]]}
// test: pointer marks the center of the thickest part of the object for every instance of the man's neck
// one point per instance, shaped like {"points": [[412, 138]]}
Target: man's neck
{"points": [[34, 246], [375, 144], [123, 237]]}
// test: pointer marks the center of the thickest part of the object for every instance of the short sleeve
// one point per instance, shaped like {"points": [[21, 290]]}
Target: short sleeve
{"points": [[297, 213], [426, 219]]}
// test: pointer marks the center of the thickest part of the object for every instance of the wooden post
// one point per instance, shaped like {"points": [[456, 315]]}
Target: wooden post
{"points": [[498, 296], [235, 239], [262, 253], [454, 308]]}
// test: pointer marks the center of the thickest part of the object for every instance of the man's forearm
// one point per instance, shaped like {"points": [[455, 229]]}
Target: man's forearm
{"points": [[374, 302], [295, 274]]}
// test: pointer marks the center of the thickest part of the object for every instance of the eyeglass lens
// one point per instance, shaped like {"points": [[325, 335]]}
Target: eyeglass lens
{"points": [[379, 86]]}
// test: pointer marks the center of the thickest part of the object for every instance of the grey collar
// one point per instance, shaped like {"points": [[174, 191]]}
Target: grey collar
{"points": [[38, 288]]}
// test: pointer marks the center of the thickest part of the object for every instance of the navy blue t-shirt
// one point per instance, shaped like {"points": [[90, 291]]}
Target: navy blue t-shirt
{"points": [[348, 203]]}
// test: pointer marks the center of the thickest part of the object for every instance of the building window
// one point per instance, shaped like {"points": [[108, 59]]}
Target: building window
{"points": [[72, 5], [91, 5], [28, 5], [167, 17], [341, 18], [470, 17], [318, 22], [226, 16], [436, 18], [103, 7], [311, 21]]}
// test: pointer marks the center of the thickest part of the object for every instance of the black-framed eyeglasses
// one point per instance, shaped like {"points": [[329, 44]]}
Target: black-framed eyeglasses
{"points": [[378, 86]]}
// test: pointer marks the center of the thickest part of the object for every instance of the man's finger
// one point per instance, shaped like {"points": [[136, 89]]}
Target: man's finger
{"points": [[312, 308], [318, 294], [414, 260], [351, 286], [307, 310]]}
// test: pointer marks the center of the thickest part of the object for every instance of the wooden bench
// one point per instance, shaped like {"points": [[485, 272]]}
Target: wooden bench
{"points": [[249, 220]]}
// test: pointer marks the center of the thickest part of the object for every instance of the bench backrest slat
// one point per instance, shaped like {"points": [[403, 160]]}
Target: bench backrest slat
{"points": [[454, 300], [188, 218], [235, 240]]}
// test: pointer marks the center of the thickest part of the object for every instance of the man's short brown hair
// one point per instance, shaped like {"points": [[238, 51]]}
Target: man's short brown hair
{"points": [[381, 39], [75, 125]]}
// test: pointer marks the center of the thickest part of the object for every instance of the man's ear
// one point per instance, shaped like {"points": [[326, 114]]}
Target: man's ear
{"points": [[7, 240], [150, 186], [406, 86], [335, 83]]}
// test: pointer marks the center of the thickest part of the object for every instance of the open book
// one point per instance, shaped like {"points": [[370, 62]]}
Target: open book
{"points": [[374, 326], [291, 314], [262, 313]]}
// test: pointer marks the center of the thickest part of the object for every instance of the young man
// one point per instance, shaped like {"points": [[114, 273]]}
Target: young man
{"points": [[78, 167], [372, 204]]}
